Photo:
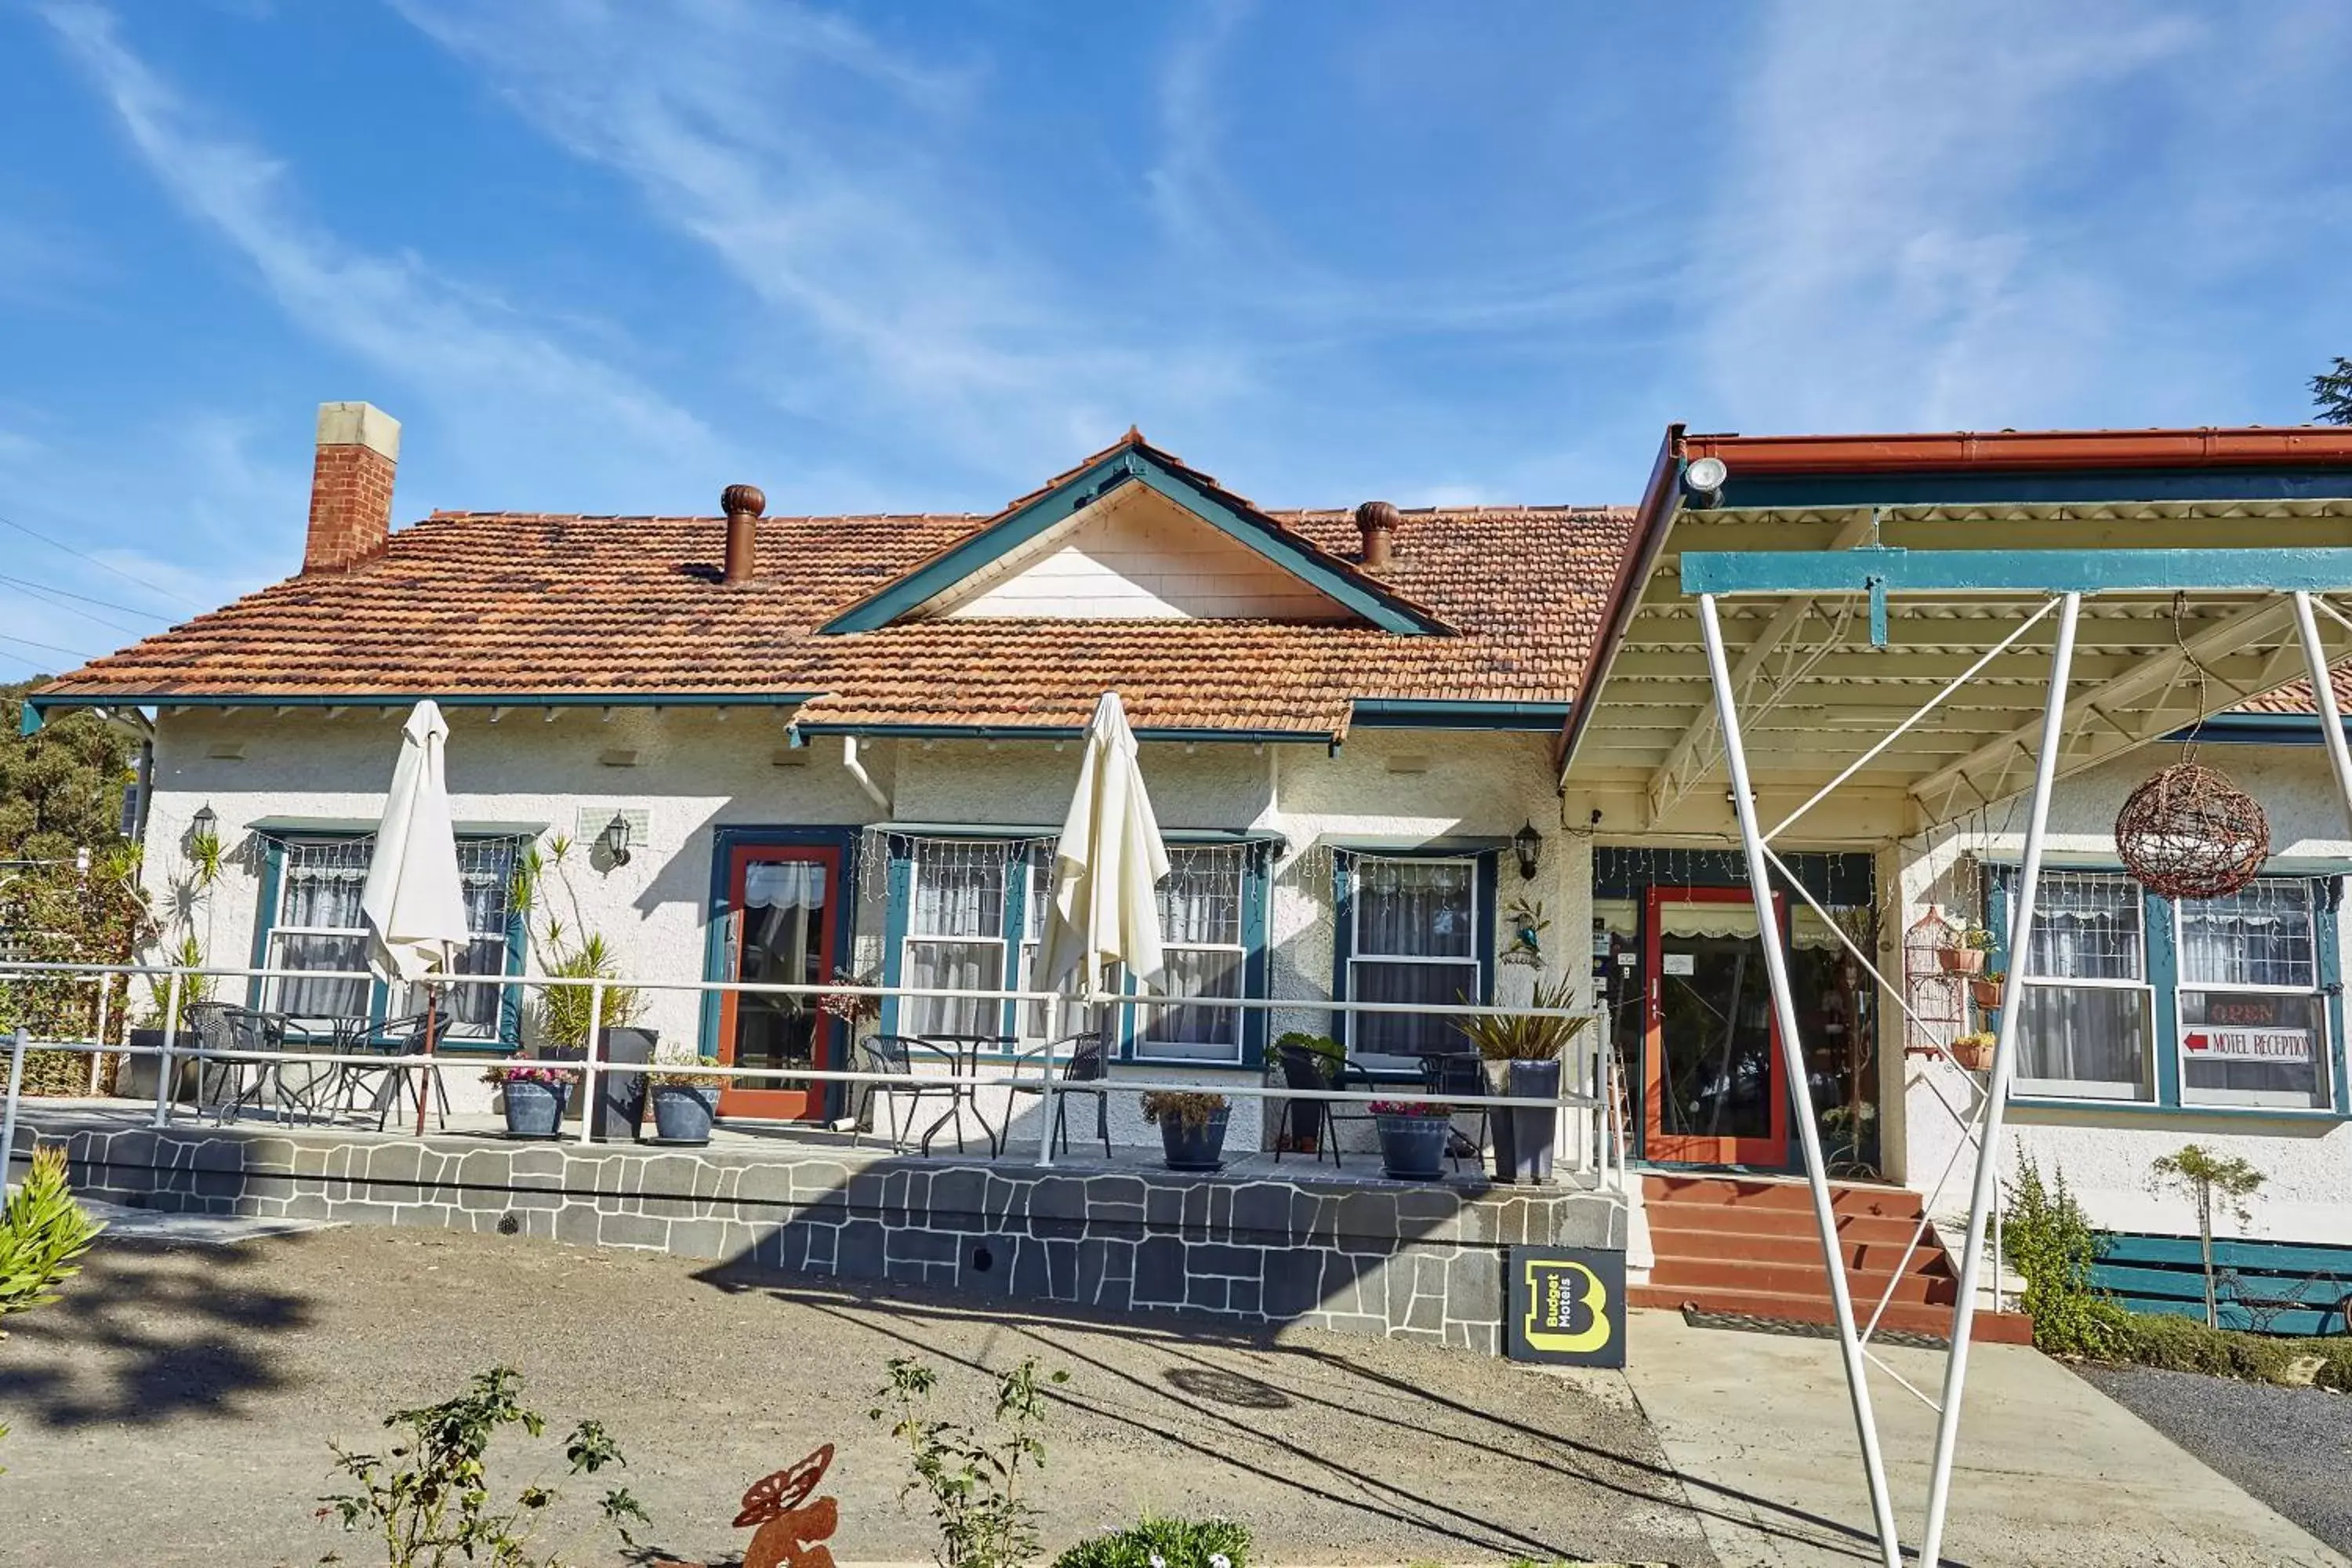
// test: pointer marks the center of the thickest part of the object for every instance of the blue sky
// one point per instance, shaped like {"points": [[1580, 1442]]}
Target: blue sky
{"points": [[609, 256]]}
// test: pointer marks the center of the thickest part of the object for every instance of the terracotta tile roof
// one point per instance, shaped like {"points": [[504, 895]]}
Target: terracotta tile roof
{"points": [[2296, 698], [534, 604]]}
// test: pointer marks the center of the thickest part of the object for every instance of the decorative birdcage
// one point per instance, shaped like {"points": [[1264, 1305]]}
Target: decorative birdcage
{"points": [[2190, 833], [1936, 997]]}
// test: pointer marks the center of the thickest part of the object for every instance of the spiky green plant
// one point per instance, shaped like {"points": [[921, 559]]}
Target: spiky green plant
{"points": [[1517, 1037]]}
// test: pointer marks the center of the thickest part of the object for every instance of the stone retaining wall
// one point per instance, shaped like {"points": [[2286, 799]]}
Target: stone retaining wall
{"points": [[1359, 1257]]}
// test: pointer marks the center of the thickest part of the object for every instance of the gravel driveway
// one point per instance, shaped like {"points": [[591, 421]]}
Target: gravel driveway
{"points": [[176, 1407], [2292, 1447]]}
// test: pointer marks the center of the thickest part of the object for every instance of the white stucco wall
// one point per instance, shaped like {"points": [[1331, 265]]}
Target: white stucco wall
{"points": [[694, 773], [2105, 1154]]}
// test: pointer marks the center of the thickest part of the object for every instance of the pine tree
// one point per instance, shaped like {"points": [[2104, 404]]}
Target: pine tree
{"points": [[2331, 392]]}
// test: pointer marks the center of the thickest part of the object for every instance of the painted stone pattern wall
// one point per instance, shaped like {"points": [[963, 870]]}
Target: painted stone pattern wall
{"points": [[2106, 1154], [1374, 1258], [692, 773]]}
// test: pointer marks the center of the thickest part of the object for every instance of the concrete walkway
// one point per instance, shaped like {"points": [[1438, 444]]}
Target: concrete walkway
{"points": [[2050, 1470]]}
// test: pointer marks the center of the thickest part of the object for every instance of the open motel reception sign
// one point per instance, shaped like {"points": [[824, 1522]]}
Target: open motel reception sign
{"points": [[2246, 1044]]}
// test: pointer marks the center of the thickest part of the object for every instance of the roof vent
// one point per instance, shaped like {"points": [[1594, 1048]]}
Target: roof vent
{"points": [[742, 504], [1377, 520]]}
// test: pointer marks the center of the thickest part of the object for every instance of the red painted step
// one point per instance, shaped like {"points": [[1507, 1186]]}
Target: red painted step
{"points": [[1740, 1245]]}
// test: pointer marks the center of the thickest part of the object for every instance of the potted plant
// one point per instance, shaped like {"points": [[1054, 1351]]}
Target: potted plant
{"points": [[565, 1009], [1985, 989], [1302, 1120], [140, 1071], [684, 1103], [1412, 1138], [1522, 1056], [533, 1094], [1966, 955], [1974, 1051], [1191, 1127]]}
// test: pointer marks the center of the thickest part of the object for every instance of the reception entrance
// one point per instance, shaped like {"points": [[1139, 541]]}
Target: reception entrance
{"points": [[784, 907], [1716, 1092]]}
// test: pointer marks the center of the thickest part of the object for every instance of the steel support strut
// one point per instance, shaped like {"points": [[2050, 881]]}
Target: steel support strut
{"points": [[1792, 1057], [2005, 1067], [2322, 697]]}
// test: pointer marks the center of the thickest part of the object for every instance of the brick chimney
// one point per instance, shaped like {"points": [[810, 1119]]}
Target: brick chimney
{"points": [[351, 486]]}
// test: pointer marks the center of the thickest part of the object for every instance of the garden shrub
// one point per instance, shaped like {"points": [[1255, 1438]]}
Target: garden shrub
{"points": [[1164, 1543], [2046, 1238], [2186, 1344]]}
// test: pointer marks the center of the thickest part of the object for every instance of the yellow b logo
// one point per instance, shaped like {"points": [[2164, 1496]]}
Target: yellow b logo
{"points": [[1554, 1296]]}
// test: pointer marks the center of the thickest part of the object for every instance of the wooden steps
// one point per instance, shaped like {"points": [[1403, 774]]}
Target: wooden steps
{"points": [[1748, 1247]]}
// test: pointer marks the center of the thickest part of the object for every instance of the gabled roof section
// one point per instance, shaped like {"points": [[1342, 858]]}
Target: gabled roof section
{"points": [[1131, 460]]}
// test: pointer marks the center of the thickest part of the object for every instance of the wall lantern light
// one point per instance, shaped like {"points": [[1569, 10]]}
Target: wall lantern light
{"points": [[1528, 843], [205, 824], [616, 838]]}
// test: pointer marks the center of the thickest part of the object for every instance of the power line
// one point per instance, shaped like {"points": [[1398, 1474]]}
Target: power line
{"points": [[102, 565], [85, 598], [57, 596], [46, 646]]}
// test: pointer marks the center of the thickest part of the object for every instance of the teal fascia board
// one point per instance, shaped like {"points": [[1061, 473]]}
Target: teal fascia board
{"points": [[2029, 488], [37, 709], [2257, 730], [1130, 465], [1054, 732], [1422, 713], [1894, 570]]}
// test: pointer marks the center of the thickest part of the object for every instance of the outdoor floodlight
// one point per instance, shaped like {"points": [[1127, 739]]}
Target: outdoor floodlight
{"points": [[1702, 480]]}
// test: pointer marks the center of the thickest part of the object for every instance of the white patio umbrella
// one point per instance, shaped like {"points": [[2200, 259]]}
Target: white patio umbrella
{"points": [[413, 903], [1102, 909]]}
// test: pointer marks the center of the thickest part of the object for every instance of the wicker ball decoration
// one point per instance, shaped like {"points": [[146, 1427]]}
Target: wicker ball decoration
{"points": [[2189, 832]]}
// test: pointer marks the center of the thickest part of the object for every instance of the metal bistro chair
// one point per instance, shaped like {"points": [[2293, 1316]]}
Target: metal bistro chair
{"points": [[1451, 1075], [1302, 1069], [895, 1056], [402, 1085], [233, 1083], [1086, 1072]]}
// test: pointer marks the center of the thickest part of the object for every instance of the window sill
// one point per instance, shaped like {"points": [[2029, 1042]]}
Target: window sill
{"points": [[2141, 1107]]}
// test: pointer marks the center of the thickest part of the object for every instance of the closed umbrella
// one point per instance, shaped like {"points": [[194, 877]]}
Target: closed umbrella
{"points": [[415, 904], [1104, 908]]}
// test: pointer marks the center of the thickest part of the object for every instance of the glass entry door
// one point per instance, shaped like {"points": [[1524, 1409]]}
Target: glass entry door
{"points": [[1716, 1091], [784, 904]]}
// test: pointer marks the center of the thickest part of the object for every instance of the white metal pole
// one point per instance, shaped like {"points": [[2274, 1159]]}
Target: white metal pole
{"points": [[2322, 697], [588, 1068], [1792, 1057], [16, 1045], [98, 1056], [2004, 1066], [163, 1085], [1046, 1094]]}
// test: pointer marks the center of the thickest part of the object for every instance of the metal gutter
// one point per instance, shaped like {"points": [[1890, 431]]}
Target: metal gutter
{"points": [[1433, 713], [1651, 523], [1057, 733], [2203, 447]]}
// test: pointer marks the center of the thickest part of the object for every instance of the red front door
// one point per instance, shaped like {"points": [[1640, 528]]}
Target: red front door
{"points": [[784, 912], [1716, 1094]]}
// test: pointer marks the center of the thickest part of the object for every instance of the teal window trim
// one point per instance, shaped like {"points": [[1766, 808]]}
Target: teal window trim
{"points": [[2159, 919], [1485, 866], [265, 925], [1257, 863]]}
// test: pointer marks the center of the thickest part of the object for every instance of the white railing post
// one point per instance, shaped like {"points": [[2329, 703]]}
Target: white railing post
{"points": [[2004, 1067], [16, 1047], [98, 1056], [164, 1063], [1793, 1065], [588, 1068], [1044, 1094]]}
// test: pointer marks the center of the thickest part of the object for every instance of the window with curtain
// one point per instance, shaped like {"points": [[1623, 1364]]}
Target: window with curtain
{"points": [[1204, 956], [1415, 940], [2085, 1024], [2253, 1024], [955, 935], [318, 925]]}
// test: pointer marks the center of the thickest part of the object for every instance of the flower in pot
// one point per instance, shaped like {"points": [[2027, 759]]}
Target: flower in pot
{"points": [[1974, 1051], [534, 1094], [1985, 989], [1522, 1055], [683, 1102], [1191, 1127], [1412, 1138], [1966, 955]]}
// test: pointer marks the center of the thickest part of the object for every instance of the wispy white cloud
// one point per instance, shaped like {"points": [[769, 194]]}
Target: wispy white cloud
{"points": [[513, 387], [1996, 215]]}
